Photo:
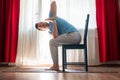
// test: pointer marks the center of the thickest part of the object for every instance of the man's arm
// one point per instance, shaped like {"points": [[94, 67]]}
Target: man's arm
{"points": [[53, 19], [53, 9], [55, 30]]}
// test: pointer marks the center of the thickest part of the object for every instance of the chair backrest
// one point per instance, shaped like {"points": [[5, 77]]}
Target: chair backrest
{"points": [[86, 29]]}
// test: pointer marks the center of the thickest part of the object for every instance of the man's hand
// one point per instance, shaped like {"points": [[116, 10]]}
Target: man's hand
{"points": [[51, 19]]}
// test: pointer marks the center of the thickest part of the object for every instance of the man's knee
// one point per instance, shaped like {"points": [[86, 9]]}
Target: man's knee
{"points": [[52, 42]]}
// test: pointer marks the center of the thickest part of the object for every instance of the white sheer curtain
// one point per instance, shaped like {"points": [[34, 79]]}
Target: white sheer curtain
{"points": [[33, 45], [75, 11]]}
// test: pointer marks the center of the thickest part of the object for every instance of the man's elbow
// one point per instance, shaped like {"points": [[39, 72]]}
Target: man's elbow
{"points": [[55, 35]]}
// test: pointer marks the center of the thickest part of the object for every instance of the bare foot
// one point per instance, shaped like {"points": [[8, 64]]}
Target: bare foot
{"points": [[54, 67]]}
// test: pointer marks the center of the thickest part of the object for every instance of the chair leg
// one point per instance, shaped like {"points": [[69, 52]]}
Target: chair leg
{"points": [[63, 58], [85, 57]]}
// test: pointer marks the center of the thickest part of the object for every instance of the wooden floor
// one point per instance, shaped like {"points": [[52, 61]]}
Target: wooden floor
{"points": [[61, 75]]}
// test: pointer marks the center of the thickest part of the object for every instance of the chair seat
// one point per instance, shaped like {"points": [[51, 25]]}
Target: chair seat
{"points": [[74, 46]]}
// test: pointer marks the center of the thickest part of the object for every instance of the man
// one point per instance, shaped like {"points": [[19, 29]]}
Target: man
{"points": [[62, 32]]}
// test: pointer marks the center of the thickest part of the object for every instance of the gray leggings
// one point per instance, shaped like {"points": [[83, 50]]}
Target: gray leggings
{"points": [[67, 38]]}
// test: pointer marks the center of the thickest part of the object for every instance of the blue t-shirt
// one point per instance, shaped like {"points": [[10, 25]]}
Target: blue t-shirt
{"points": [[62, 25]]}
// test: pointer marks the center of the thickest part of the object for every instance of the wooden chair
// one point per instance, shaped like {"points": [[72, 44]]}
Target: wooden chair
{"points": [[76, 46]]}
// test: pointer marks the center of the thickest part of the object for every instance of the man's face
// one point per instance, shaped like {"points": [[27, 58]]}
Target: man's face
{"points": [[42, 26]]}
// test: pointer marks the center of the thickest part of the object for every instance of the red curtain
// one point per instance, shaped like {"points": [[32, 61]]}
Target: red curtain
{"points": [[9, 20], [108, 26]]}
